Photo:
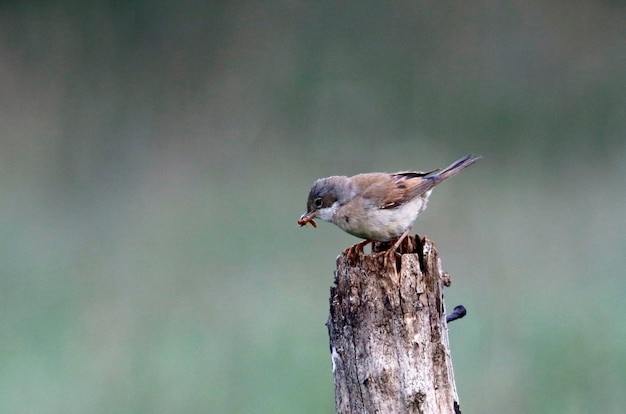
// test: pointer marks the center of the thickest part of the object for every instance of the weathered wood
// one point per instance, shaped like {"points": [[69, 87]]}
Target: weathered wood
{"points": [[388, 333]]}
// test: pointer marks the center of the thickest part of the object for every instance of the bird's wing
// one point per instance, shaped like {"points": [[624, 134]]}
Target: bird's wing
{"points": [[392, 190]]}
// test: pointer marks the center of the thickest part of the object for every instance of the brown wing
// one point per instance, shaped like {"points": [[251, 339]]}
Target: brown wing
{"points": [[413, 174], [407, 186], [392, 190]]}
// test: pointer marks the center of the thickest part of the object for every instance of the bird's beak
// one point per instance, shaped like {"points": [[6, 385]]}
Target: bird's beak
{"points": [[308, 218]]}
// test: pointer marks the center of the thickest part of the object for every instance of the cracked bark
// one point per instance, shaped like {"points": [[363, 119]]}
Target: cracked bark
{"points": [[388, 333]]}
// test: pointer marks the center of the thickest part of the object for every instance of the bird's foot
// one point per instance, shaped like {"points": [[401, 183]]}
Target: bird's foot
{"points": [[357, 249], [381, 248]]}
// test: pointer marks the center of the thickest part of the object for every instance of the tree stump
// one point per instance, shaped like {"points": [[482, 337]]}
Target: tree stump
{"points": [[388, 333]]}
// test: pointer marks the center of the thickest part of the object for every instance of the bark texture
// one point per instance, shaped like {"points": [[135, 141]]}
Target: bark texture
{"points": [[388, 333]]}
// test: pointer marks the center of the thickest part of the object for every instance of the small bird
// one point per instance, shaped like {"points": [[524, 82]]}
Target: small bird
{"points": [[376, 206]]}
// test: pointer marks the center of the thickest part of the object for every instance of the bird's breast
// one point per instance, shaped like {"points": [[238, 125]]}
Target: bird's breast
{"points": [[379, 224]]}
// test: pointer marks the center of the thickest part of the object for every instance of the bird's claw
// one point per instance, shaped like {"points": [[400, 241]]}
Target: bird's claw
{"points": [[357, 249]]}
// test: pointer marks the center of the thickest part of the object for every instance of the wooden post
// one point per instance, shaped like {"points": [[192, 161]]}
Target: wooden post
{"points": [[388, 333]]}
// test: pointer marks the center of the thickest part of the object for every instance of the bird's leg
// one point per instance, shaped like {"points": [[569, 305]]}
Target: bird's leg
{"points": [[392, 250], [391, 253], [402, 237], [357, 248]]}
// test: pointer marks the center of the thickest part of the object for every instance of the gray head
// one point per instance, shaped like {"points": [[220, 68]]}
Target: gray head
{"points": [[326, 195]]}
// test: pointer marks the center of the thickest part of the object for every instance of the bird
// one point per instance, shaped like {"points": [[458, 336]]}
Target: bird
{"points": [[376, 206]]}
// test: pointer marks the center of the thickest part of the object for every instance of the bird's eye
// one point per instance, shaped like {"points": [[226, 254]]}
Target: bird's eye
{"points": [[318, 202]]}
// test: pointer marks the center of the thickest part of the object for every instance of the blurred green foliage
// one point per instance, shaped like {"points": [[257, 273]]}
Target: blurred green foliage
{"points": [[155, 156]]}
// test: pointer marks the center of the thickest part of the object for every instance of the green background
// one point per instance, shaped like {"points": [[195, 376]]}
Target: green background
{"points": [[155, 156]]}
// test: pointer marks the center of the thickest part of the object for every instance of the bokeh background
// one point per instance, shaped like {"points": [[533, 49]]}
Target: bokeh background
{"points": [[155, 156]]}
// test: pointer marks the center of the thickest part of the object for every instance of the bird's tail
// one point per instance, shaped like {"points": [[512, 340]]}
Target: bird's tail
{"points": [[454, 168], [430, 181]]}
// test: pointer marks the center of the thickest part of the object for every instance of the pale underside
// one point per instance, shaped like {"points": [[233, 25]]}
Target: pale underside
{"points": [[372, 222]]}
